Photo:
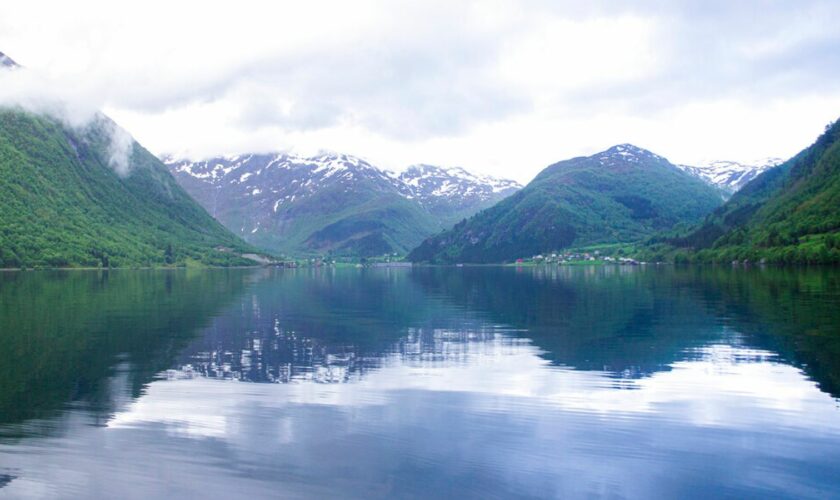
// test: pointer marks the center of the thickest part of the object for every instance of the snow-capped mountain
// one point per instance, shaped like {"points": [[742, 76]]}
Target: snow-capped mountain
{"points": [[624, 193], [730, 176], [280, 178], [333, 202], [624, 156], [449, 192]]}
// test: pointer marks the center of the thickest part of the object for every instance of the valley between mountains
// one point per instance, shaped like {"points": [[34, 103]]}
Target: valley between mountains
{"points": [[67, 199], [343, 206], [334, 204]]}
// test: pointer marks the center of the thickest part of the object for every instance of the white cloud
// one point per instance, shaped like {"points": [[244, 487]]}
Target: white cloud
{"points": [[31, 91], [498, 87], [713, 390]]}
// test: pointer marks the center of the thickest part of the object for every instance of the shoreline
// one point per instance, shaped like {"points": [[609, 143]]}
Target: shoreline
{"points": [[147, 268]]}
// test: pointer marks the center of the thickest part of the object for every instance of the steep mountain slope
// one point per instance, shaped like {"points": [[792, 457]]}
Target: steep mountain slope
{"points": [[451, 194], [325, 204], [730, 176], [330, 203], [63, 204], [622, 194], [789, 213]]}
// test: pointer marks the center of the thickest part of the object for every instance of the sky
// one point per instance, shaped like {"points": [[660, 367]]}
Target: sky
{"points": [[498, 87]]}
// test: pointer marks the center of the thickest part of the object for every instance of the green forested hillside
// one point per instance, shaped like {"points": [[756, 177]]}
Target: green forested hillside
{"points": [[362, 218], [788, 214], [368, 227], [63, 205], [622, 194]]}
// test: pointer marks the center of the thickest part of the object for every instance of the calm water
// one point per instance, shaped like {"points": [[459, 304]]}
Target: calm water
{"points": [[442, 382]]}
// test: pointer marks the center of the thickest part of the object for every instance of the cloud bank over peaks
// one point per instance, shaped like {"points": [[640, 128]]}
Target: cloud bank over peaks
{"points": [[502, 87]]}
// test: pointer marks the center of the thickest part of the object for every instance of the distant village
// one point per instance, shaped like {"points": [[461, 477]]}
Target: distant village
{"points": [[393, 260], [568, 258], [388, 260]]}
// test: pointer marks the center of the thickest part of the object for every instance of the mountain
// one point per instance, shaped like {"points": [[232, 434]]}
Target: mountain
{"points": [[7, 62], [333, 203], [452, 194], [730, 176], [324, 204], [63, 202], [790, 213], [622, 194]]}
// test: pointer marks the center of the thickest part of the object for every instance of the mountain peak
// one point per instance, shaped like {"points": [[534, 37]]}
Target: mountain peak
{"points": [[455, 176], [7, 62], [627, 147], [333, 201], [332, 156], [621, 155], [627, 151], [622, 194]]}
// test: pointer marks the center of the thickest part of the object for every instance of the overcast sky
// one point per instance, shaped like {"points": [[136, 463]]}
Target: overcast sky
{"points": [[503, 88]]}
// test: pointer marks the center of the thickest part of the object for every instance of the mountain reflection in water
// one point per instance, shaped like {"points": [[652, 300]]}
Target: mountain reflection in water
{"points": [[428, 382], [624, 322]]}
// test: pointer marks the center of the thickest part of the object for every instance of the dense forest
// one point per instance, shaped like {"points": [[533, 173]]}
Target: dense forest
{"points": [[789, 214], [63, 204], [623, 194]]}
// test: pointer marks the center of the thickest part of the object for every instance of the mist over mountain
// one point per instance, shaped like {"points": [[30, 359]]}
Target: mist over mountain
{"points": [[83, 193], [342, 205], [333, 203], [62, 203], [622, 194]]}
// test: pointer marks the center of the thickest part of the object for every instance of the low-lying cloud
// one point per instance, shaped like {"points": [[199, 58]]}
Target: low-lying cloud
{"points": [[24, 89], [499, 86], [120, 148]]}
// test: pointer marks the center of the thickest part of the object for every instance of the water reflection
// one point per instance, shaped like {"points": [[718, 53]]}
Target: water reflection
{"points": [[288, 357], [65, 335], [470, 382], [332, 326]]}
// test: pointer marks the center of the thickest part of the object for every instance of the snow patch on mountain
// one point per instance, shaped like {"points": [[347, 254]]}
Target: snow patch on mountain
{"points": [[430, 185], [627, 153], [730, 175], [275, 200]]}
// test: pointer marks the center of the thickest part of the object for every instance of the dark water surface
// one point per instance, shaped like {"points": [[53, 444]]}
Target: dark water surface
{"points": [[597, 382]]}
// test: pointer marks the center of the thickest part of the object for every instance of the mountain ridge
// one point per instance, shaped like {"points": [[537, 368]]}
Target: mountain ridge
{"points": [[730, 176], [788, 214], [331, 202], [624, 193]]}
